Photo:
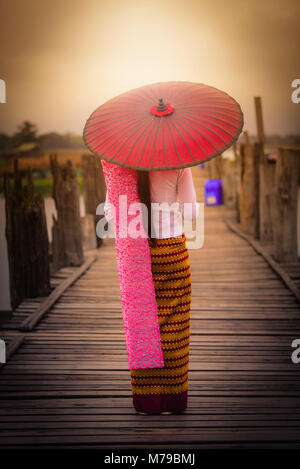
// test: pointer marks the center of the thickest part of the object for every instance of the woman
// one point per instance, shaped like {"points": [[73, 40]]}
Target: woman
{"points": [[164, 390]]}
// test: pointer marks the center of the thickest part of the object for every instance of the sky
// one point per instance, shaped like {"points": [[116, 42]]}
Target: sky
{"points": [[61, 59]]}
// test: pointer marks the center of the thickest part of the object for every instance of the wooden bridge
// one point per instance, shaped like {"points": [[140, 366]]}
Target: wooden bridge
{"points": [[68, 385]]}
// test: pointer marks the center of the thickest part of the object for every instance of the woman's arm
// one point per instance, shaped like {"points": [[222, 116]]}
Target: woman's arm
{"points": [[186, 192]]}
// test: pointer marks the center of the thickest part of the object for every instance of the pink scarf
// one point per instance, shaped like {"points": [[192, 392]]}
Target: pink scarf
{"points": [[139, 307]]}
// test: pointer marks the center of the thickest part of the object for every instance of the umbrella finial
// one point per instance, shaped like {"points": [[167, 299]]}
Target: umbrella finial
{"points": [[161, 109], [161, 104]]}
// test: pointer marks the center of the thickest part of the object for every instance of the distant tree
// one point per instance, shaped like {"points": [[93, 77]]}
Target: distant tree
{"points": [[52, 140], [6, 142], [75, 141], [293, 139], [26, 133], [56, 141]]}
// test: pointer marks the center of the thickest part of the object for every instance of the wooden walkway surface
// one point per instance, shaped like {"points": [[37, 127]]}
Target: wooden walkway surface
{"points": [[68, 385]]}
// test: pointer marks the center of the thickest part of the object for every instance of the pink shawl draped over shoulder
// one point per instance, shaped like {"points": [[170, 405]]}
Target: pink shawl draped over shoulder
{"points": [[139, 307]]}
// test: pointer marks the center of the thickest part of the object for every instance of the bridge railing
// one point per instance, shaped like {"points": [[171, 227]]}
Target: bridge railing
{"points": [[264, 194]]}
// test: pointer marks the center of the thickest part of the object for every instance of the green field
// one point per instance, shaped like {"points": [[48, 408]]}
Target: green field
{"points": [[43, 185]]}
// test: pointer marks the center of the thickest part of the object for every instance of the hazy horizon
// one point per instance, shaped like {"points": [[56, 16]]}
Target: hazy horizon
{"points": [[61, 59]]}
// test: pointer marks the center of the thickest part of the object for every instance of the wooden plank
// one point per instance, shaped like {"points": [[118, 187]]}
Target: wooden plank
{"points": [[89, 437], [32, 320], [272, 263], [68, 385], [13, 345]]}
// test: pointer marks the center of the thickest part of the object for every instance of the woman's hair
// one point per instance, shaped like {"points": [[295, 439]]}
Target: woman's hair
{"points": [[144, 193]]}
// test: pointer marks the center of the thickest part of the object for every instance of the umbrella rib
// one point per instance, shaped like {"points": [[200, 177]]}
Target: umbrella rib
{"points": [[140, 92], [182, 92], [174, 143], [197, 95], [156, 93], [115, 117], [119, 108], [165, 92], [172, 96], [209, 100], [196, 140], [210, 108], [216, 91], [117, 151], [90, 132], [112, 136], [212, 131], [122, 100], [155, 138], [163, 130], [213, 115], [134, 143], [168, 94], [145, 94], [186, 143], [138, 163], [115, 133], [159, 95], [118, 102], [203, 119], [124, 128]]}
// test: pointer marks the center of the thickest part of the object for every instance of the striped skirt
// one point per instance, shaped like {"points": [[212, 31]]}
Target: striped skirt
{"points": [[165, 389]]}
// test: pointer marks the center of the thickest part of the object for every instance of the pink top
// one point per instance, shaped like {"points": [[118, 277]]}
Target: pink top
{"points": [[174, 186]]}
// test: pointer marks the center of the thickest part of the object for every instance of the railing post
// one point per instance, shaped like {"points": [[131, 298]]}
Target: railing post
{"points": [[27, 239], [249, 207], [238, 178], [228, 182], [94, 188], [259, 120], [215, 167], [285, 219], [266, 195], [67, 247]]}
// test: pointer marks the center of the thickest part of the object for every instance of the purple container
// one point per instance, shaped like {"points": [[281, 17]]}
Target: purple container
{"points": [[213, 192]]}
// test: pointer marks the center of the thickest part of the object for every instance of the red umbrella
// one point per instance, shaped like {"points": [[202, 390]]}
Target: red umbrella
{"points": [[165, 125]]}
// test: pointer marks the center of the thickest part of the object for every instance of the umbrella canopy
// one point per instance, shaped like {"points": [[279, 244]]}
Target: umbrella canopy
{"points": [[166, 125]]}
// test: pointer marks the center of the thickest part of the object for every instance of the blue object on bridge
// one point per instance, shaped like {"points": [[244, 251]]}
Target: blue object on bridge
{"points": [[213, 192]]}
